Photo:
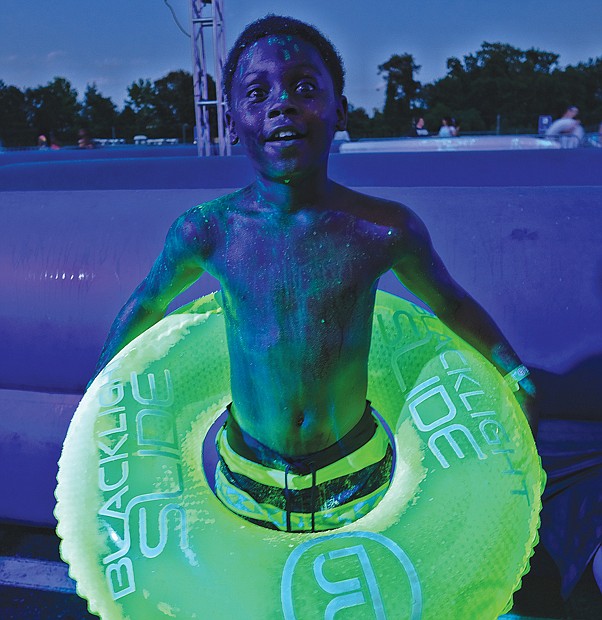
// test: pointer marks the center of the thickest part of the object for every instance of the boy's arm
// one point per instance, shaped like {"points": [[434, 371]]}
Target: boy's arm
{"points": [[177, 267], [422, 271]]}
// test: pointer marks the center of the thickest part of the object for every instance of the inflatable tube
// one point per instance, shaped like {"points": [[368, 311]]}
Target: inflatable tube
{"points": [[146, 537]]}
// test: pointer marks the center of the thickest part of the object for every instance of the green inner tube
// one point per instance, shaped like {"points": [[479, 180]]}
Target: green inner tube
{"points": [[146, 537]]}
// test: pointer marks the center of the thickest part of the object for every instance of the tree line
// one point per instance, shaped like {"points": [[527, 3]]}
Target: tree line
{"points": [[163, 108], [498, 88]]}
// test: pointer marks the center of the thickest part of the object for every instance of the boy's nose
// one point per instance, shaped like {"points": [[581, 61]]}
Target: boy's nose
{"points": [[281, 105]]}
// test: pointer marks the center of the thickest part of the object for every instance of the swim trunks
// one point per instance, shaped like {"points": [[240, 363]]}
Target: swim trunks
{"points": [[319, 491]]}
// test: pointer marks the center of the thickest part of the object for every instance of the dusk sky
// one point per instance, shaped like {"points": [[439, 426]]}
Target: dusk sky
{"points": [[115, 42]]}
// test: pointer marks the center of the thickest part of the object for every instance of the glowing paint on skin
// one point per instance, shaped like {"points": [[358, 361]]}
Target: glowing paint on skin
{"points": [[313, 115], [283, 42]]}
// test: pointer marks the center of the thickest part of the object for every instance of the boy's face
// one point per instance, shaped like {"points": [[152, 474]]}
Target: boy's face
{"points": [[284, 108]]}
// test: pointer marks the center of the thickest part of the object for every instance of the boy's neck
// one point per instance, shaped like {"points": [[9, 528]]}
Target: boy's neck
{"points": [[293, 194]]}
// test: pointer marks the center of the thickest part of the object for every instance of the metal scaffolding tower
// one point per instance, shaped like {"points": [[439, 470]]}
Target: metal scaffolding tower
{"points": [[208, 15]]}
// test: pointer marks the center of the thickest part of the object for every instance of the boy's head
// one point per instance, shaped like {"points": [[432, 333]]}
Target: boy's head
{"points": [[283, 83], [277, 25]]}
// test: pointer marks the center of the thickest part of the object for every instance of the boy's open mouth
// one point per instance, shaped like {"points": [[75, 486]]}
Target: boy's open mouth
{"points": [[287, 134]]}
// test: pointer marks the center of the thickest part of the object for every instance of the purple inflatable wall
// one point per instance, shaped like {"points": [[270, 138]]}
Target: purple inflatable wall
{"points": [[522, 231]]}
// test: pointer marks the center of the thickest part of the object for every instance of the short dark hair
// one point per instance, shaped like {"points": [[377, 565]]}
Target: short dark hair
{"points": [[274, 25]]}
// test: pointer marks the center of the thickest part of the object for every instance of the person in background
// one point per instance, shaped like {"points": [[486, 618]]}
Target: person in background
{"points": [[340, 137], [54, 145], [447, 129], [567, 128], [84, 141], [595, 138], [420, 131]]}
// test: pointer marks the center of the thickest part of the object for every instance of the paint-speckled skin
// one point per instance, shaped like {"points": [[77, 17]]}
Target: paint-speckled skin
{"points": [[299, 321], [299, 258]]}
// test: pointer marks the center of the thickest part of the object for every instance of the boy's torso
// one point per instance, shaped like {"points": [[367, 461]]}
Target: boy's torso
{"points": [[298, 292]]}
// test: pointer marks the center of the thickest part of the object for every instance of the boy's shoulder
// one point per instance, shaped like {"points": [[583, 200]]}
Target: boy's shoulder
{"points": [[197, 229], [375, 209], [217, 207]]}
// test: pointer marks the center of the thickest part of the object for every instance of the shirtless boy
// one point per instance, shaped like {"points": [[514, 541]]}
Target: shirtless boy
{"points": [[299, 258]]}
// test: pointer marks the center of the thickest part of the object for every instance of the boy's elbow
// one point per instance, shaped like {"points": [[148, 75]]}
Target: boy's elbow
{"points": [[449, 307], [151, 310], [142, 307]]}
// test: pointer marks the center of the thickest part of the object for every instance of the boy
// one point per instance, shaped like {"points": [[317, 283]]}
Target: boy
{"points": [[299, 258]]}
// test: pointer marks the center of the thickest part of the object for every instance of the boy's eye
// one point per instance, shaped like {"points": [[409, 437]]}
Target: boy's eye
{"points": [[256, 93], [305, 87]]}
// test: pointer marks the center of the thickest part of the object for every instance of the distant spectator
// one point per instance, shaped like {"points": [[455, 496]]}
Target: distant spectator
{"points": [[447, 129], [42, 141], [595, 139], [341, 136], [420, 130], [84, 141], [54, 145], [567, 128]]}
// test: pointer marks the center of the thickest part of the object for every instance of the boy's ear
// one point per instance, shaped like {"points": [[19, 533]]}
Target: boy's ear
{"points": [[231, 129], [342, 110]]}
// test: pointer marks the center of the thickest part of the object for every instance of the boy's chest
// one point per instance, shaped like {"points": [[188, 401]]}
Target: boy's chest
{"points": [[328, 252]]}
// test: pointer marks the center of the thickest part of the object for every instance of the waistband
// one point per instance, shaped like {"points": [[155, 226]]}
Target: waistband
{"points": [[367, 455], [248, 447]]}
